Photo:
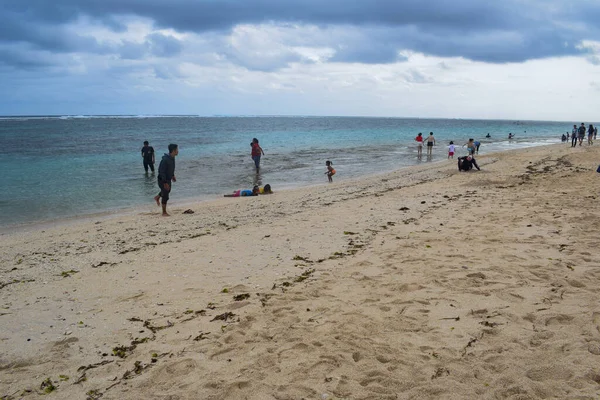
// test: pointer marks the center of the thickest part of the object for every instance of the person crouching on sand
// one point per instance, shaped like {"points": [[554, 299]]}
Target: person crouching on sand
{"points": [[166, 174], [467, 163], [330, 171]]}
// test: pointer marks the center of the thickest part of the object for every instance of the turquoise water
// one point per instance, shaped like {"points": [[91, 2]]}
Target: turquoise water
{"points": [[67, 166]]}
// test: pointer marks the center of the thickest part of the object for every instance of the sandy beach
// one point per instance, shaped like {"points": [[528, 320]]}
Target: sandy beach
{"points": [[424, 283]]}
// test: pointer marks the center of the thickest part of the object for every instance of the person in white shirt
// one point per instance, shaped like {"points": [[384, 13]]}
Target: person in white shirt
{"points": [[451, 149]]}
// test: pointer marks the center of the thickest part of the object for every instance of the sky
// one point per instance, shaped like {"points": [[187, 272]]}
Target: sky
{"points": [[483, 59]]}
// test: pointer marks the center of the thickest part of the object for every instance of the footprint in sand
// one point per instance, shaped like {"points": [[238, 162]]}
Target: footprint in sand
{"points": [[549, 372], [170, 375], [596, 320], [560, 319]]}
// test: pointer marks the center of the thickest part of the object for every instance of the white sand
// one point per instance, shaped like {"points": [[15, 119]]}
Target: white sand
{"points": [[427, 284]]}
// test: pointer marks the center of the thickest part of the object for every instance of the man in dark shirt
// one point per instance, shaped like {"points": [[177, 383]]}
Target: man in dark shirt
{"points": [[467, 163], [581, 133], [166, 174], [148, 156]]}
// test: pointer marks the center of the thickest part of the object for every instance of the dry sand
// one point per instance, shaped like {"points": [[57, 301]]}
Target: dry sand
{"points": [[424, 283]]}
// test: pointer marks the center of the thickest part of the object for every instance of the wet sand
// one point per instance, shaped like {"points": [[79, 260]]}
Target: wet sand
{"points": [[423, 283]]}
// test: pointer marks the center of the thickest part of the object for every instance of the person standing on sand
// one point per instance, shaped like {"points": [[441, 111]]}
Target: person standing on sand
{"points": [[581, 133], [574, 136], [591, 134], [430, 144], [419, 140], [166, 174], [148, 156], [595, 132], [477, 143], [256, 153]]}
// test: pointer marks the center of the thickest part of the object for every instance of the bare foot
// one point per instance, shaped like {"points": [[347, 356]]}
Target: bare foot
{"points": [[157, 200], [166, 214]]}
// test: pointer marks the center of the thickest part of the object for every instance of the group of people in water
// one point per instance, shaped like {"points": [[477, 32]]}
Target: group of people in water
{"points": [[465, 163], [578, 134], [166, 172]]}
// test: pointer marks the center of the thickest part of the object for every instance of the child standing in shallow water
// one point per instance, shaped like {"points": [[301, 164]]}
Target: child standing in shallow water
{"points": [[330, 171], [451, 149]]}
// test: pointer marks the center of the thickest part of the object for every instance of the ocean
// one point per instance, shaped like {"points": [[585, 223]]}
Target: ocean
{"points": [[65, 166]]}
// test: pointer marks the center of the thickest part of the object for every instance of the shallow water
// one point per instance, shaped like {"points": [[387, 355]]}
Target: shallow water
{"points": [[66, 166]]}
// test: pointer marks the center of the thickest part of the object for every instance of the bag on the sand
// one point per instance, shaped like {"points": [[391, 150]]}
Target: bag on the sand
{"points": [[598, 170]]}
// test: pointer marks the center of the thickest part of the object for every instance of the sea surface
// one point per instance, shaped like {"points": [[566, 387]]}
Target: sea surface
{"points": [[64, 166]]}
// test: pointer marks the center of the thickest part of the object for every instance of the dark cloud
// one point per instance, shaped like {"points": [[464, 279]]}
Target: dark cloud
{"points": [[489, 31], [164, 45], [19, 59]]}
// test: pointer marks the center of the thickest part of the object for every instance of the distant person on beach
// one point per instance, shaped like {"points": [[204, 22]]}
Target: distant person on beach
{"points": [[591, 134], [430, 143], [257, 151], [419, 140], [581, 133], [574, 136], [148, 156], [488, 136], [477, 143], [564, 137], [166, 174], [467, 163], [330, 171], [243, 193], [451, 149], [470, 146], [595, 132], [510, 136]]}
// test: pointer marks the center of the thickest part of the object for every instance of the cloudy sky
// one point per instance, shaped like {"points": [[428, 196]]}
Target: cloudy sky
{"points": [[509, 59]]}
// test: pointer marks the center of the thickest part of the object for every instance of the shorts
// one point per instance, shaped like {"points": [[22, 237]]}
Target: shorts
{"points": [[429, 144], [164, 193], [419, 144], [450, 153]]}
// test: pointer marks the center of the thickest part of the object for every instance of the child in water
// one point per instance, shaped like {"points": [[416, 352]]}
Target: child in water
{"points": [[451, 150], [330, 171]]}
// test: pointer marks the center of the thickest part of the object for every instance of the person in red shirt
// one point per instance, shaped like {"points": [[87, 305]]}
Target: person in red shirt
{"points": [[419, 140], [257, 151]]}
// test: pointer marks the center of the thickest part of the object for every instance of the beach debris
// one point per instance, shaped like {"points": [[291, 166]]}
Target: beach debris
{"points": [[223, 317], [211, 306], [300, 258], [225, 290], [47, 386], [241, 297], [4, 284], [101, 263], [478, 275], [404, 209], [201, 336], [188, 211], [304, 275], [63, 378], [349, 233], [452, 318], [154, 329], [93, 394]]}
